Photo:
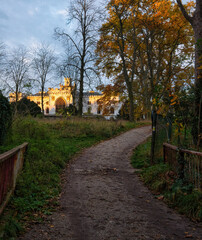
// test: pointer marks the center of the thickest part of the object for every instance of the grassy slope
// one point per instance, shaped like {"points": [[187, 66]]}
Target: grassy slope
{"points": [[163, 183], [51, 145]]}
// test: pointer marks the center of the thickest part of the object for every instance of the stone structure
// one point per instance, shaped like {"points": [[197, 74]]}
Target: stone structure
{"points": [[58, 98]]}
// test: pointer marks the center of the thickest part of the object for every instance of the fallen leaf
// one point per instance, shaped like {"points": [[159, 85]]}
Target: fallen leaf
{"points": [[160, 197], [188, 236]]}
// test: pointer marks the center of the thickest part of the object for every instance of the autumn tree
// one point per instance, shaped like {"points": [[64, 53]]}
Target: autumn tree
{"points": [[196, 22], [169, 50], [118, 46], [85, 16], [17, 71], [144, 43], [43, 64]]}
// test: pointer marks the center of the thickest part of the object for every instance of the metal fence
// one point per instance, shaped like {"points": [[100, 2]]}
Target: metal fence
{"points": [[11, 163], [161, 132], [187, 164]]}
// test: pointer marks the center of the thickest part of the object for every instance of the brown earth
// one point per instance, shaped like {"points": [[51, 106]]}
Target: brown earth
{"points": [[103, 199]]}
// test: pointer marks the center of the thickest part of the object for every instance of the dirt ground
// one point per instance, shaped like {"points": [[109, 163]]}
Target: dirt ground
{"points": [[103, 199]]}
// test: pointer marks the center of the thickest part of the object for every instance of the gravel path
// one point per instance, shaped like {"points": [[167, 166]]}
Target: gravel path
{"points": [[103, 199]]}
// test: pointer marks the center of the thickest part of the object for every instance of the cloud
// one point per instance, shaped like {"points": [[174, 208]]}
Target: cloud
{"points": [[62, 12]]}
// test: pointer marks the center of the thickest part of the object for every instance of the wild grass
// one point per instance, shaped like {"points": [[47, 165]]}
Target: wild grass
{"points": [[51, 145], [161, 180]]}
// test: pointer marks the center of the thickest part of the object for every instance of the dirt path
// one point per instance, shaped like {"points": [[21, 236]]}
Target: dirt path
{"points": [[103, 199]]}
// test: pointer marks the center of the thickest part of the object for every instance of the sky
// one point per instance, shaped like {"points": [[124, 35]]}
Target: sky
{"points": [[30, 22]]}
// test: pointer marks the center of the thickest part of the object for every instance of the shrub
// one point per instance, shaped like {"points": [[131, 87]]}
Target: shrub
{"points": [[26, 107], [5, 117]]}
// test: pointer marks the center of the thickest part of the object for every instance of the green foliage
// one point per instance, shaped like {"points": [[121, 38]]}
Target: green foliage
{"points": [[141, 155], [162, 180], [5, 118], [186, 199], [26, 107], [155, 177], [11, 228], [71, 110]]}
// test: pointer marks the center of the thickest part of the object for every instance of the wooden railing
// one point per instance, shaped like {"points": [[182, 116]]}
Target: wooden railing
{"points": [[186, 163], [11, 163]]}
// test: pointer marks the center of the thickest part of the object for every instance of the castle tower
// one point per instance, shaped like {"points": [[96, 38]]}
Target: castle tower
{"points": [[66, 82]]}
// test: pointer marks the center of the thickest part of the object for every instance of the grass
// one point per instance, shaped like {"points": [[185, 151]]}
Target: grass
{"points": [[163, 182], [51, 145]]}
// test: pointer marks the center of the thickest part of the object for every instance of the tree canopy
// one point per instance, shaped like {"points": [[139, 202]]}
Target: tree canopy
{"points": [[146, 47]]}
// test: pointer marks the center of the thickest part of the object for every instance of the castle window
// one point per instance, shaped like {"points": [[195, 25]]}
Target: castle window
{"points": [[47, 110], [99, 110]]}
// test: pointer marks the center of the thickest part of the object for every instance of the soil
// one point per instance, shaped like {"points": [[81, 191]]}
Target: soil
{"points": [[103, 199]]}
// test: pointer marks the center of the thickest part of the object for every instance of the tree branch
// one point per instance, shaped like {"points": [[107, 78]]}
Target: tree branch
{"points": [[184, 12]]}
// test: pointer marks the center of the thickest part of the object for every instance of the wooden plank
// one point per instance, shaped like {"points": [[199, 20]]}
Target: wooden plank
{"points": [[12, 152]]}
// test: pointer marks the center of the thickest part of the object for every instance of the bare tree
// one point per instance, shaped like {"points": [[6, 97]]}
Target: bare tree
{"points": [[85, 15], [67, 69], [17, 71], [196, 22], [2, 61], [43, 64]]}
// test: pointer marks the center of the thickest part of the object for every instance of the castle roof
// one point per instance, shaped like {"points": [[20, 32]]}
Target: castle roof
{"points": [[39, 94], [91, 93]]}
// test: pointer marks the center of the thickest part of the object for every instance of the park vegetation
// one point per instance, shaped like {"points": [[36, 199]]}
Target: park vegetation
{"points": [[162, 180], [52, 143], [146, 49]]}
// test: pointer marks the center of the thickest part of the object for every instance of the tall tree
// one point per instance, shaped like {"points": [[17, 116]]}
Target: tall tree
{"points": [[66, 68], [17, 70], [196, 21], [118, 44], [136, 45], [43, 64], [85, 16]]}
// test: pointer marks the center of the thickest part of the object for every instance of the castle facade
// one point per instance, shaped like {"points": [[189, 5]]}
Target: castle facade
{"points": [[56, 99]]}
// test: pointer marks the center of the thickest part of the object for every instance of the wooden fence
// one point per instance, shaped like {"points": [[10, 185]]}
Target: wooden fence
{"points": [[11, 163], [186, 163]]}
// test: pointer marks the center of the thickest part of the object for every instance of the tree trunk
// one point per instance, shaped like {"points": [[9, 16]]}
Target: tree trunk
{"points": [[196, 22], [42, 90], [197, 26], [130, 95], [153, 141], [80, 110], [16, 99]]}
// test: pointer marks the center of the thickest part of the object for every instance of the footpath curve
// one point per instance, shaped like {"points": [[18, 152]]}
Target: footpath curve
{"points": [[103, 199]]}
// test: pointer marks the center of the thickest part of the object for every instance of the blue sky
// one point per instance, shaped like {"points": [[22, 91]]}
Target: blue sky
{"points": [[29, 22]]}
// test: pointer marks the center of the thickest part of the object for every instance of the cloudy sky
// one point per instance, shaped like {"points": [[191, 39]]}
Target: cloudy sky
{"points": [[31, 21]]}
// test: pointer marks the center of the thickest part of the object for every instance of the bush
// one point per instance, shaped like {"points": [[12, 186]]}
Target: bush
{"points": [[5, 118], [162, 180], [69, 111], [26, 107]]}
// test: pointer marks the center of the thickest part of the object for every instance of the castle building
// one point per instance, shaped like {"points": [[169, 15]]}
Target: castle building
{"points": [[56, 99]]}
